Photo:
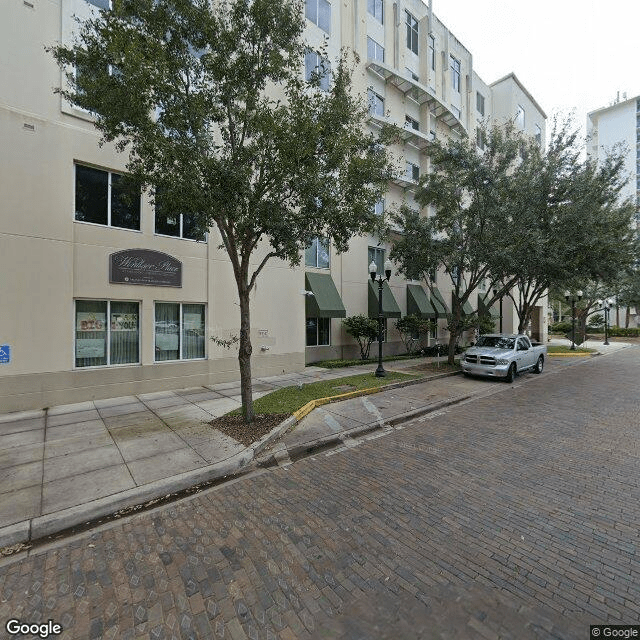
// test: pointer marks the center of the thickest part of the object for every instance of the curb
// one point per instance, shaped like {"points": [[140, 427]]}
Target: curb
{"points": [[46, 525], [572, 355], [318, 402], [337, 438]]}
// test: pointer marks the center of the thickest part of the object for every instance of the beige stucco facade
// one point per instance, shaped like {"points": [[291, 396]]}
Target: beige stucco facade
{"points": [[49, 260]]}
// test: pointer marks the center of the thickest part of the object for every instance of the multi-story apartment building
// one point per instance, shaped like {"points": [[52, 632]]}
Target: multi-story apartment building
{"points": [[618, 127], [78, 319]]}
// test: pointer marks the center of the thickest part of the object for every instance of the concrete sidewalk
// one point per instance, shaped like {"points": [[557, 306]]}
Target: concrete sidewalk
{"points": [[72, 463], [62, 467]]}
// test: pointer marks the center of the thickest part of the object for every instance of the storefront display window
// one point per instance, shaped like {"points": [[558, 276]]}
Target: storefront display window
{"points": [[107, 333], [179, 331]]}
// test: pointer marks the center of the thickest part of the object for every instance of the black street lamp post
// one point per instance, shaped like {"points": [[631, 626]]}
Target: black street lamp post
{"points": [[373, 269], [569, 296], [606, 307]]}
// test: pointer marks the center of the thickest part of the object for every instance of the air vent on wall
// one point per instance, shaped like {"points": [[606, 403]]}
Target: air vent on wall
{"points": [[29, 127], [26, 3]]}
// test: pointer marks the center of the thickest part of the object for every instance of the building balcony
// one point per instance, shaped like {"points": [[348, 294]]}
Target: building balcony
{"points": [[419, 92], [416, 137], [405, 181]]}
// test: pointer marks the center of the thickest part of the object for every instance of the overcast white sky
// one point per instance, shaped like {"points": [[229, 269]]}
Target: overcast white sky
{"points": [[569, 54]]}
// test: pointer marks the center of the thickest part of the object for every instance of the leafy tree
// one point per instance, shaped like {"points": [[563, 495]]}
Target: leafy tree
{"points": [[594, 293], [411, 329], [570, 223], [628, 290], [207, 99], [467, 236], [364, 330]]}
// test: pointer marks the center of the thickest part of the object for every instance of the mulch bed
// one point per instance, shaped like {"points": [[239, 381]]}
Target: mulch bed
{"points": [[247, 434]]}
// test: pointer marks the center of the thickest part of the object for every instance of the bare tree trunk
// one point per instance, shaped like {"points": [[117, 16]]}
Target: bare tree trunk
{"points": [[244, 355], [524, 312], [627, 317], [453, 335], [455, 330]]}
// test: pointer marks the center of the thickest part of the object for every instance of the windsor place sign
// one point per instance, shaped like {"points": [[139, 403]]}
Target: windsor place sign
{"points": [[146, 267]]}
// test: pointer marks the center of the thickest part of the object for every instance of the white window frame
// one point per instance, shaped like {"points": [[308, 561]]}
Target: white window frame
{"points": [[378, 208], [322, 66], [317, 242], [108, 332], [181, 235], [379, 262], [480, 106], [180, 319], [109, 182], [520, 117], [412, 74], [454, 65], [432, 52], [375, 100], [413, 32], [97, 6], [411, 123], [375, 51], [412, 170], [378, 8], [317, 4]]}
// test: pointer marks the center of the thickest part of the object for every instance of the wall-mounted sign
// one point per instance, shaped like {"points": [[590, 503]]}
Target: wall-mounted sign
{"points": [[5, 354], [145, 266]]}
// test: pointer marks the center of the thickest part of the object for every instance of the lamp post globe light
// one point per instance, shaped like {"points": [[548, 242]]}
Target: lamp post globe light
{"points": [[606, 307], [573, 297], [373, 270]]}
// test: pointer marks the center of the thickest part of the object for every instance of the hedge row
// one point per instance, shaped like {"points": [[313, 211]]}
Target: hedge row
{"points": [[630, 332], [565, 327]]}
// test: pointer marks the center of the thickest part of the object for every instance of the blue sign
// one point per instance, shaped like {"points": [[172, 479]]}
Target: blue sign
{"points": [[5, 354]]}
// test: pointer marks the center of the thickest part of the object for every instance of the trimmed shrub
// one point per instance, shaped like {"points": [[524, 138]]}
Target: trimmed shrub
{"points": [[364, 330], [623, 332]]}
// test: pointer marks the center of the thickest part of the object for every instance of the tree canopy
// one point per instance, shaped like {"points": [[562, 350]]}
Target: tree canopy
{"points": [[517, 217], [467, 233], [210, 105], [572, 224]]}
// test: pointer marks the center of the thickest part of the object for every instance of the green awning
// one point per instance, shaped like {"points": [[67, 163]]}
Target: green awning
{"points": [[438, 303], [483, 310], [390, 308], [325, 301], [466, 307], [418, 303]]}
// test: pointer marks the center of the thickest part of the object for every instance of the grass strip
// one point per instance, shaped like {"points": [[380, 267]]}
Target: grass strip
{"points": [[290, 399], [565, 349]]}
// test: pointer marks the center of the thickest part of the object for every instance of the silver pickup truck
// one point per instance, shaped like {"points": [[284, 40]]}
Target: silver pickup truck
{"points": [[503, 356]]}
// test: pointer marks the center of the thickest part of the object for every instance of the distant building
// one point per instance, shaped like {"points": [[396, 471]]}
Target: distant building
{"points": [[615, 126]]}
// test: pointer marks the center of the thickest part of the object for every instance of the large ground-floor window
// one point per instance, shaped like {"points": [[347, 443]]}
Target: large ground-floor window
{"points": [[107, 333], [179, 331], [318, 332]]}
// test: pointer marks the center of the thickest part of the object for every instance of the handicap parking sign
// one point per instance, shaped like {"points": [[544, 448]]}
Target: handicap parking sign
{"points": [[5, 354]]}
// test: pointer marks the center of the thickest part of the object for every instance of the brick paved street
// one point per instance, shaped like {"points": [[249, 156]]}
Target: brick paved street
{"points": [[515, 515]]}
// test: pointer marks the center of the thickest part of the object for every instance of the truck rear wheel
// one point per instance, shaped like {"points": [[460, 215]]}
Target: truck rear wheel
{"points": [[539, 365], [511, 374]]}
